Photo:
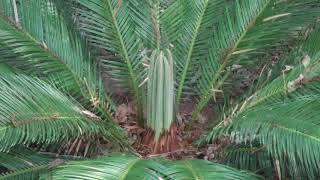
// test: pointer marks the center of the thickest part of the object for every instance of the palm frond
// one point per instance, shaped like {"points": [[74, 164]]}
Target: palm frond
{"points": [[250, 29], [23, 163], [107, 24], [6, 8], [32, 172], [157, 22], [275, 89], [171, 21], [288, 130], [20, 157], [146, 16], [190, 48], [48, 49], [5, 68], [131, 167], [253, 158], [200, 169], [110, 167], [280, 86], [34, 112], [283, 116]]}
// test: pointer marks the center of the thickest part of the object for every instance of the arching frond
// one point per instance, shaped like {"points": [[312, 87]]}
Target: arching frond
{"points": [[276, 89], [23, 163], [288, 130], [6, 8], [146, 16], [110, 167], [47, 48], [107, 24], [298, 62], [250, 29], [158, 19], [34, 112], [283, 116], [192, 46], [200, 169], [253, 158], [133, 168]]}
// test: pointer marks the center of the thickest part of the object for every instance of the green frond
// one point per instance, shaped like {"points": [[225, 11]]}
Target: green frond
{"points": [[6, 8], [289, 131], [108, 25], [20, 157], [117, 167], [146, 16], [5, 68], [283, 114], [23, 163], [157, 22], [191, 48], [172, 21], [47, 48], [280, 86], [274, 89], [283, 117], [249, 30], [253, 158], [130, 167], [167, 3], [34, 112], [200, 169], [272, 82], [32, 172]]}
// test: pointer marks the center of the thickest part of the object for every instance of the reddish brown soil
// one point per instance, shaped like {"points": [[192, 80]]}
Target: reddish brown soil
{"points": [[178, 143]]}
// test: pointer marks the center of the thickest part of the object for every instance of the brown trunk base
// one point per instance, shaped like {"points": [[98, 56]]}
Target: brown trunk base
{"points": [[168, 141]]}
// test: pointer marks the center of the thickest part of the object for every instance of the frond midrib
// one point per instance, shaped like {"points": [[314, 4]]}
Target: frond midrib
{"points": [[193, 172], [126, 58], [190, 52], [127, 170], [290, 130], [59, 119]]}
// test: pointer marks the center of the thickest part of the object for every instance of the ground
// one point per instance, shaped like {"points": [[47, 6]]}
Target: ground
{"points": [[181, 141]]}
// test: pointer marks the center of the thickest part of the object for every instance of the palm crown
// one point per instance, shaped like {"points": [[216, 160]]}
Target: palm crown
{"points": [[54, 55]]}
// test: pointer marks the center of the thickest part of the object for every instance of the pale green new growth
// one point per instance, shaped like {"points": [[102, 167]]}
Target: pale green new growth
{"points": [[161, 92]]}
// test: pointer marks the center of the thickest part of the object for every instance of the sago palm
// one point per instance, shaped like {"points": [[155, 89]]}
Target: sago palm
{"points": [[66, 66]]}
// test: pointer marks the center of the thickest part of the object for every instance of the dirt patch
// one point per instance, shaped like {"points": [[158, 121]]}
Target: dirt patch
{"points": [[178, 143]]}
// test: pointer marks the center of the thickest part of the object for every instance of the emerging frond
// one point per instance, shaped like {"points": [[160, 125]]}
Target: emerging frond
{"points": [[161, 92], [34, 112], [130, 167]]}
